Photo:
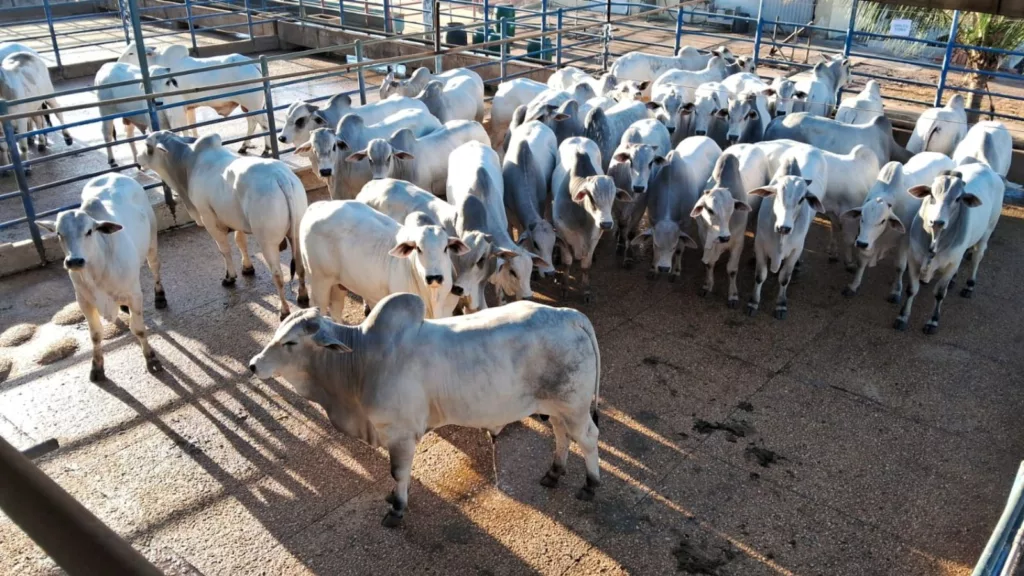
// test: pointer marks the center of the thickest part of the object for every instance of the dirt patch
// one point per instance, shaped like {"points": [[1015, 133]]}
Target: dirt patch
{"points": [[738, 428], [57, 350], [68, 315], [701, 559], [6, 364], [763, 456], [745, 406], [17, 335]]}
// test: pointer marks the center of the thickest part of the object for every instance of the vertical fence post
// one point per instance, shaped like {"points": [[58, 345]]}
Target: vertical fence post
{"points": [[679, 30], [124, 20], [53, 35], [757, 34], [387, 17], [359, 73], [850, 28], [504, 49], [558, 40], [487, 18], [248, 20], [608, 13], [191, 26], [19, 174], [948, 58], [436, 18], [268, 103], [606, 40], [341, 11], [147, 86], [543, 20], [302, 9]]}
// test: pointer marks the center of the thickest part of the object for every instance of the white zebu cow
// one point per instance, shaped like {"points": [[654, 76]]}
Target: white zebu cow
{"points": [[839, 138], [644, 67], [564, 78], [176, 57], [686, 82], [783, 222], [748, 117], [710, 107], [105, 242], [348, 246], [833, 73], [987, 142], [862, 108], [479, 175], [422, 76], [783, 96], [330, 149], [455, 100], [422, 161], [606, 128], [25, 75], [958, 213], [582, 201], [723, 210], [304, 117], [526, 172], [397, 376], [115, 72], [225, 192], [940, 129], [8, 48], [510, 95], [887, 211], [641, 152], [398, 199]]}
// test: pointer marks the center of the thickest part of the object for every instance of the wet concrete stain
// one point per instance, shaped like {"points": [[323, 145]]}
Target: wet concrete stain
{"points": [[745, 406], [701, 559], [738, 428], [763, 456]]}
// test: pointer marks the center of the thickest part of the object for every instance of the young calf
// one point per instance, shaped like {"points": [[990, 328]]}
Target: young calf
{"points": [[396, 376], [959, 212], [782, 223], [105, 242]]}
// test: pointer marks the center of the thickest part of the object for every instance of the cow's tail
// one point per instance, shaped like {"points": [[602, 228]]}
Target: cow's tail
{"points": [[292, 236], [589, 328]]}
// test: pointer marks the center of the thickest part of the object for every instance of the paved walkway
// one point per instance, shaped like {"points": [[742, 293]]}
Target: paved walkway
{"points": [[848, 448]]}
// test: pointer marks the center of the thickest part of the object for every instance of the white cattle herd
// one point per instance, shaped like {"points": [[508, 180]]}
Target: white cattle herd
{"points": [[430, 212]]}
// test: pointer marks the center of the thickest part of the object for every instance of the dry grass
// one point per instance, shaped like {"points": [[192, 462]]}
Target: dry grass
{"points": [[69, 315], [6, 364], [17, 335], [57, 350], [114, 329]]}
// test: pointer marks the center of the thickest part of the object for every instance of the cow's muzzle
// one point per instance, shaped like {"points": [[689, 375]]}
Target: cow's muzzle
{"points": [[74, 263], [606, 225], [435, 279], [458, 291], [732, 139], [700, 132], [783, 229], [724, 238], [326, 171], [282, 139], [638, 189], [663, 269], [862, 245]]}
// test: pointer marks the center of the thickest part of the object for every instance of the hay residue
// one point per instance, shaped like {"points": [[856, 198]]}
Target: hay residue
{"points": [[17, 335], [6, 364], [69, 315], [57, 350], [114, 329]]}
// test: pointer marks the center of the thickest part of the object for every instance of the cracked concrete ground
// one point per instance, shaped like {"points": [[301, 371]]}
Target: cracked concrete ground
{"points": [[850, 449]]}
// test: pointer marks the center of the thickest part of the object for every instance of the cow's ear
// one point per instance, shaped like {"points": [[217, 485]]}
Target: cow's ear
{"points": [[403, 250], [697, 209], [970, 200], [741, 206], [402, 155], [814, 203], [653, 105], [621, 157], [800, 94], [107, 227], [325, 340], [852, 214], [763, 192], [305, 149], [643, 85], [504, 253], [538, 261], [768, 91], [920, 191], [48, 225], [687, 241], [686, 108], [641, 237], [357, 156], [896, 224], [457, 245], [623, 196], [660, 160]]}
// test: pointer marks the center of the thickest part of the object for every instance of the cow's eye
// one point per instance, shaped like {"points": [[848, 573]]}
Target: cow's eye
{"points": [[513, 273], [88, 233], [445, 249], [480, 262], [300, 122], [288, 344], [709, 211]]}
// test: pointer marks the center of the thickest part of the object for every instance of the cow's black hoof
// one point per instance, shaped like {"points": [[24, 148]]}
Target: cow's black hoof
{"points": [[930, 328], [704, 292], [392, 519], [652, 275], [267, 153], [153, 365], [28, 172], [160, 301], [672, 278], [851, 268], [849, 292], [124, 309], [751, 309], [250, 271], [780, 313], [627, 264], [549, 480], [586, 493], [244, 150], [303, 301], [96, 374], [41, 148], [228, 282], [68, 141], [900, 324], [894, 298], [283, 314], [112, 163], [966, 292], [832, 259], [733, 303]]}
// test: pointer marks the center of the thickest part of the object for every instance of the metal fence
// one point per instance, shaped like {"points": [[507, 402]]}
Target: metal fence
{"points": [[589, 35]]}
